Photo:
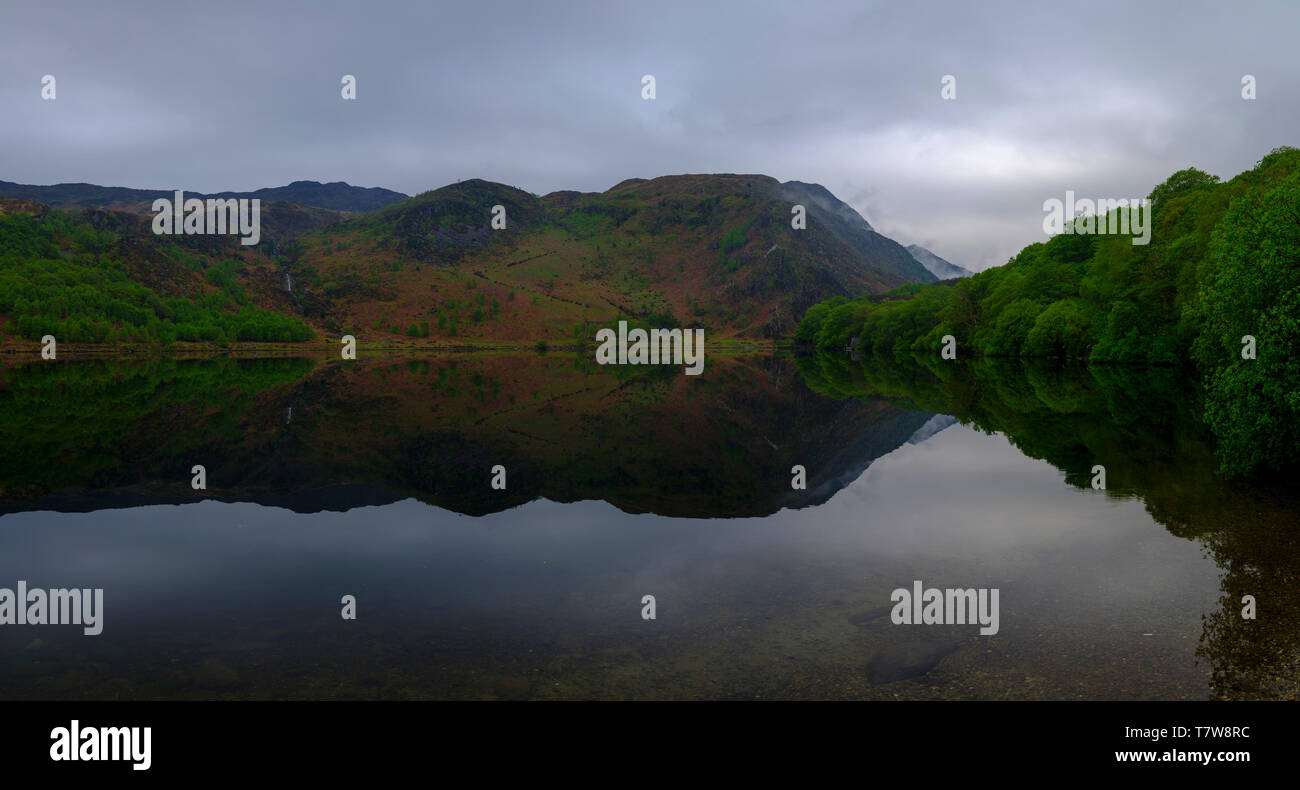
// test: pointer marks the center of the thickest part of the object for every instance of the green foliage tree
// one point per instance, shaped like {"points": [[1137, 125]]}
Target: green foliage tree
{"points": [[1253, 405], [1062, 330], [1180, 183], [1012, 328]]}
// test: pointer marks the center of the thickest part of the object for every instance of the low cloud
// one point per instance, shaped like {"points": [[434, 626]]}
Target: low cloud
{"points": [[246, 95]]}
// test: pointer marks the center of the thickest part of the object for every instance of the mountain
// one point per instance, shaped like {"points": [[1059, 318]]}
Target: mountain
{"points": [[335, 195], [712, 251], [703, 250], [937, 266], [852, 229]]}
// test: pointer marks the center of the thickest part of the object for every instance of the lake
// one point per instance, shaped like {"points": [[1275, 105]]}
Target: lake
{"points": [[373, 479]]}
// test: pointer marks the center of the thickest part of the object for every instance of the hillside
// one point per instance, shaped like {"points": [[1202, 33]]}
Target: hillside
{"points": [[103, 277], [716, 251]]}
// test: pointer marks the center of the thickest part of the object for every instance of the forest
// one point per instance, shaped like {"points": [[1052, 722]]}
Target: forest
{"points": [[62, 276], [1216, 293]]}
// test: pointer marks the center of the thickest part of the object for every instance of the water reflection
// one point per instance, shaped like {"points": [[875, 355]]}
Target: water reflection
{"points": [[378, 487]]}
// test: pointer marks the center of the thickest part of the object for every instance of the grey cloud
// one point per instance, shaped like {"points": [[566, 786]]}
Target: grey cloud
{"points": [[1107, 100]]}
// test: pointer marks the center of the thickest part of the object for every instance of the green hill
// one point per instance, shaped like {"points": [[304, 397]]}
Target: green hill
{"points": [[1223, 263], [103, 277]]}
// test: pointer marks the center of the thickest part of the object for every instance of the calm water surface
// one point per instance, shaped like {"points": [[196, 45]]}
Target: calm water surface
{"points": [[372, 480]]}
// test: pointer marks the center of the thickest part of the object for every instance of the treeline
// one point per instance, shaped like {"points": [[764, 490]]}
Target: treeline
{"points": [[1222, 267], [1142, 424], [61, 276]]}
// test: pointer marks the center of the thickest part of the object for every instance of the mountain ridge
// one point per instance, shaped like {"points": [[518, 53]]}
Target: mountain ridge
{"points": [[334, 195]]}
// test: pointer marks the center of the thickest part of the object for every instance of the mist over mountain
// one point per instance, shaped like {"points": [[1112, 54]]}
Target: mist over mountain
{"points": [[852, 228], [937, 266]]}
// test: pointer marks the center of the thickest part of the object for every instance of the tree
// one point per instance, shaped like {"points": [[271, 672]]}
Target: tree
{"points": [[1062, 330], [1179, 183], [1253, 405], [1012, 328]]}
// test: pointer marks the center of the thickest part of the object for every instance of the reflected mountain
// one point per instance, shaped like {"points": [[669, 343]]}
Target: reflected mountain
{"points": [[316, 434]]}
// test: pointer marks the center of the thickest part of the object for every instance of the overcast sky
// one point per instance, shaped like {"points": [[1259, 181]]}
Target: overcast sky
{"points": [[1104, 99]]}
